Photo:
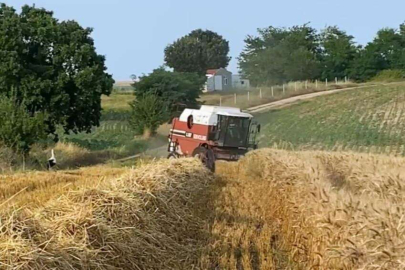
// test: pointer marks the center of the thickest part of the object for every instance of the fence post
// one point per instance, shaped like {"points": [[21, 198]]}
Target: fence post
{"points": [[283, 89], [345, 79], [261, 93], [220, 100], [248, 95], [326, 83], [295, 87], [306, 84], [272, 91], [235, 98], [336, 80], [316, 84]]}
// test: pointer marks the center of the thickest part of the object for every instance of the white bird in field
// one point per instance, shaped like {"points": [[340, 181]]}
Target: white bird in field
{"points": [[51, 161]]}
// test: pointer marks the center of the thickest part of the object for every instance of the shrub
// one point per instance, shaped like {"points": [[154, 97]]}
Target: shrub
{"points": [[19, 130], [7, 158], [389, 75], [148, 113]]}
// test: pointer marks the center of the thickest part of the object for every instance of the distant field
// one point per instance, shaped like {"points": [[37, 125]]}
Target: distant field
{"points": [[114, 135], [363, 120]]}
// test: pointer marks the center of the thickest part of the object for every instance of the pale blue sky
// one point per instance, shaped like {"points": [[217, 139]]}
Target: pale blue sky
{"points": [[133, 34]]}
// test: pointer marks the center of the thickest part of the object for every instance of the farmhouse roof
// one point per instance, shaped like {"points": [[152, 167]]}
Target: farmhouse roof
{"points": [[212, 71]]}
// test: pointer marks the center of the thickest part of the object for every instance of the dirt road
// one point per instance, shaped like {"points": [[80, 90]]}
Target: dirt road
{"points": [[292, 100]]}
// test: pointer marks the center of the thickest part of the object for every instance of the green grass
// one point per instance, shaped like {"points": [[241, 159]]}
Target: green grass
{"points": [[363, 120], [114, 134]]}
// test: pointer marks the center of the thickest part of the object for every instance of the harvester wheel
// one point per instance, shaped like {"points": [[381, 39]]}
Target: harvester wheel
{"points": [[206, 156], [173, 156]]}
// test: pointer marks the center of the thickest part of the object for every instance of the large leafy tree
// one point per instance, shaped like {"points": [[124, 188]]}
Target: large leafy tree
{"points": [[279, 55], [338, 52], [198, 51], [174, 88], [52, 67]]}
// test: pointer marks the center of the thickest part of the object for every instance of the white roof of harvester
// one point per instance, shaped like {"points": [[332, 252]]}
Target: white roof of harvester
{"points": [[208, 115]]}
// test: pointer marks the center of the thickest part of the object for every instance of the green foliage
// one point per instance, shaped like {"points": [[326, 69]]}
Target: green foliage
{"points": [[390, 75], [338, 52], [197, 52], [148, 113], [19, 130], [176, 89], [279, 55], [53, 66], [386, 51]]}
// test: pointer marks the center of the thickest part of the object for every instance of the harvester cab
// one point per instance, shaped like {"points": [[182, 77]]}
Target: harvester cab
{"points": [[213, 133]]}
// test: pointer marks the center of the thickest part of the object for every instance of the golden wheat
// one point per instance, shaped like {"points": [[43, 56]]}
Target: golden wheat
{"points": [[146, 219], [311, 210]]}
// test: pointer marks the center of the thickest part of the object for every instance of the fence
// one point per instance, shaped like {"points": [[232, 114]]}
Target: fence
{"points": [[259, 95]]}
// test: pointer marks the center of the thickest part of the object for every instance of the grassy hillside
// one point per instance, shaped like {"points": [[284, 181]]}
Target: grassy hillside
{"points": [[262, 95], [364, 120]]}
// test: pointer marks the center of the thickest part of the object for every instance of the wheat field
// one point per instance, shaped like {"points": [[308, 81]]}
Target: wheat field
{"points": [[274, 209], [310, 210]]}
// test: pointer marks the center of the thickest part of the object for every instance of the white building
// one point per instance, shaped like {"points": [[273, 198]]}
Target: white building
{"points": [[223, 80], [218, 80], [239, 83]]}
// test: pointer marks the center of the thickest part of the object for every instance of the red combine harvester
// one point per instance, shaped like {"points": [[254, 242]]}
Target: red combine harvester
{"points": [[212, 133]]}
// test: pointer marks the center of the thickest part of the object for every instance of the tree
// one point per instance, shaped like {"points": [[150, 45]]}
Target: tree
{"points": [[197, 52], [53, 66], [367, 63], [174, 88], [19, 130], [278, 55], [148, 113], [338, 52], [386, 51]]}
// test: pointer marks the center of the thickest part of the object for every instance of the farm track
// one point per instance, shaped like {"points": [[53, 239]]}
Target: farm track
{"points": [[293, 100]]}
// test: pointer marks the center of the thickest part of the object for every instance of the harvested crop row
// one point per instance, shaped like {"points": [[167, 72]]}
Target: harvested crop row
{"points": [[324, 211], [147, 219]]}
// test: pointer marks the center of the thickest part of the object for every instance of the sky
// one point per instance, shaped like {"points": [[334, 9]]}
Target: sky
{"points": [[133, 34]]}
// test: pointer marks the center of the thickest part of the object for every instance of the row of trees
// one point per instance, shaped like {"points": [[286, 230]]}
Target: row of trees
{"points": [[278, 55]]}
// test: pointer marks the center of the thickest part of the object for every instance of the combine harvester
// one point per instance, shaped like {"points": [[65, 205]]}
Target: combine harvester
{"points": [[212, 133]]}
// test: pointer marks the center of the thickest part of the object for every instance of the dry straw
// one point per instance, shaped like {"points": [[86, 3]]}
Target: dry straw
{"points": [[331, 210], [147, 219]]}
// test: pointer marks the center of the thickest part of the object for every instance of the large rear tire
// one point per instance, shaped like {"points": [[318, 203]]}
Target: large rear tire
{"points": [[206, 156], [173, 156]]}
